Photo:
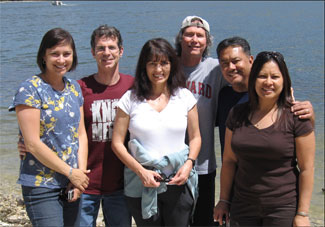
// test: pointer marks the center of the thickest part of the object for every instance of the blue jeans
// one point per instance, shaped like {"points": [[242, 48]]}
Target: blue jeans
{"points": [[45, 207], [114, 207]]}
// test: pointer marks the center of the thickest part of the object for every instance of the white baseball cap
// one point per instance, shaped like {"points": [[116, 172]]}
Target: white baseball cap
{"points": [[187, 22]]}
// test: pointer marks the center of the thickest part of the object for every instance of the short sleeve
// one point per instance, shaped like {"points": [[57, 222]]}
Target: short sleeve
{"points": [[302, 127], [125, 102], [190, 99], [27, 94]]}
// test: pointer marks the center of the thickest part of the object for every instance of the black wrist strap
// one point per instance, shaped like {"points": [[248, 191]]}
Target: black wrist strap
{"points": [[192, 160]]}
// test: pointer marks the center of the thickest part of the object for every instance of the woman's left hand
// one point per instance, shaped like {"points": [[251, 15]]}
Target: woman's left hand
{"points": [[301, 221], [76, 195], [182, 174]]}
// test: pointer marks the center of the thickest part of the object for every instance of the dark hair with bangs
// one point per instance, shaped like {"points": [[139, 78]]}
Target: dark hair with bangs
{"points": [[52, 38], [284, 100], [157, 49]]}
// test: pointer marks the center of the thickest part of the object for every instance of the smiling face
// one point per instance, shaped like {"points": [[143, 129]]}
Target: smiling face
{"points": [[269, 82], [58, 59], [107, 53], [158, 71], [194, 41], [236, 67]]}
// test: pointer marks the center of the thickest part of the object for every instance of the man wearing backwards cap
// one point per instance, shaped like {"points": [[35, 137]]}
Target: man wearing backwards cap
{"points": [[204, 80]]}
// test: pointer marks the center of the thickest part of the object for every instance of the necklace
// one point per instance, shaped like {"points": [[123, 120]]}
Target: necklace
{"points": [[159, 98], [265, 119]]}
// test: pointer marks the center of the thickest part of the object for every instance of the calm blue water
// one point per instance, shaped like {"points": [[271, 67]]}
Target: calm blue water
{"points": [[296, 29]]}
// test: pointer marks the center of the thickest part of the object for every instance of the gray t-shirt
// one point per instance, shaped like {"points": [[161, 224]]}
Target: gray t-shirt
{"points": [[205, 81]]}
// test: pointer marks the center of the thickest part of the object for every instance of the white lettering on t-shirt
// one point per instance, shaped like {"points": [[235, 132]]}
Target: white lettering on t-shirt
{"points": [[103, 113], [95, 109], [199, 88]]}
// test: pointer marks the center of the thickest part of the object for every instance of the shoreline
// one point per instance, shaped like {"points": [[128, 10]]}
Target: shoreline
{"points": [[12, 207], [13, 213]]}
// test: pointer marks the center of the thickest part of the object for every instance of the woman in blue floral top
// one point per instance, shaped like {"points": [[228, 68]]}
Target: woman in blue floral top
{"points": [[49, 109]]}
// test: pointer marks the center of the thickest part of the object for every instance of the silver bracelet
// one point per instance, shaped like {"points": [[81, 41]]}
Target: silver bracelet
{"points": [[70, 172], [301, 213], [225, 201]]}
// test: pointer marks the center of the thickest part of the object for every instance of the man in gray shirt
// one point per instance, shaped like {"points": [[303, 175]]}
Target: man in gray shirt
{"points": [[204, 80]]}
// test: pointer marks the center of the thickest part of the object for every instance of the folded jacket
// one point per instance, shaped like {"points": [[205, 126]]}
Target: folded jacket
{"points": [[133, 186]]}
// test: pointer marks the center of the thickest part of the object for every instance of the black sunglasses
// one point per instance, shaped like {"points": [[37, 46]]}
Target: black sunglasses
{"points": [[273, 54], [164, 178]]}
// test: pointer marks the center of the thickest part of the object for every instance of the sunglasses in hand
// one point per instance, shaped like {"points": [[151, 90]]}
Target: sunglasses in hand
{"points": [[164, 178]]}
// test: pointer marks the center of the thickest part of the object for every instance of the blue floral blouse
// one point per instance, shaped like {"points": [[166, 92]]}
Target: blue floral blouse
{"points": [[59, 123]]}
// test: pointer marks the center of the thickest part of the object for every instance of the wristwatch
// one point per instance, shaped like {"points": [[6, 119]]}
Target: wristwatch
{"points": [[192, 160]]}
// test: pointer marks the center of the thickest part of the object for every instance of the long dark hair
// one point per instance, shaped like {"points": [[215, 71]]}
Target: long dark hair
{"points": [[284, 100], [52, 38], [156, 49]]}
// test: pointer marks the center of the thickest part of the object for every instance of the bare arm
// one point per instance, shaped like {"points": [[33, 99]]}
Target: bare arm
{"points": [[82, 152], [120, 129], [305, 150], [227, 175], [194, 145], [29, 124], [83, 142]]}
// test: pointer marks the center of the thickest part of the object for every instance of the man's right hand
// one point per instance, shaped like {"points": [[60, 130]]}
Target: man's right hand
{"points": [[21, 147]]}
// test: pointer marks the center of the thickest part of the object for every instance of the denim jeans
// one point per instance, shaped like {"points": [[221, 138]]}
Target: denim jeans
{"points": [[45, 207], [114, 207]]}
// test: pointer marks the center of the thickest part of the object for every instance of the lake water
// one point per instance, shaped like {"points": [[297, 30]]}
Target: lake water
{"points": [[296, 29]]}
